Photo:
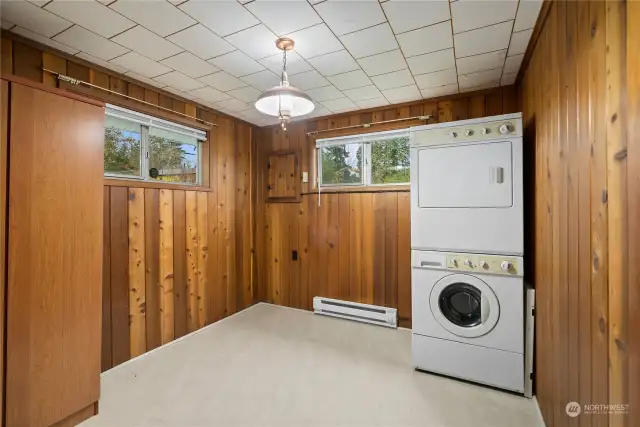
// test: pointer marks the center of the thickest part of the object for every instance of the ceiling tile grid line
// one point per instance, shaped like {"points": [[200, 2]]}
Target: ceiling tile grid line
{"points": [[349, 55]]}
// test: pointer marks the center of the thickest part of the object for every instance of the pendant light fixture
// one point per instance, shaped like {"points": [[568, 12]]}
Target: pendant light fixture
{"points": [[284, 101]]}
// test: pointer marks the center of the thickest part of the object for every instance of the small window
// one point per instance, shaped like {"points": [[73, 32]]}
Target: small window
{"points": [[142, 147], [370, 159]]}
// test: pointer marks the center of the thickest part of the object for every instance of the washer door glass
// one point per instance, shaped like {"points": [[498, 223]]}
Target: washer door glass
{"points": [[460, 303], [464, 305]]}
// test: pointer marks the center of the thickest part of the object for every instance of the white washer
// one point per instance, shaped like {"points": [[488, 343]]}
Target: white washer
{"points": [[466, 186], [468, 317]]}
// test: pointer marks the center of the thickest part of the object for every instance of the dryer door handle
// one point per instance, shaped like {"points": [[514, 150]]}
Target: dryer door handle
{"points": [[484, 308]]}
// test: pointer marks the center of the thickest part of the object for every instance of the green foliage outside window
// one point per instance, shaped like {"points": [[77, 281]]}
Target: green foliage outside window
{"points": [[121, 151], [390, 161], [339, 165]]}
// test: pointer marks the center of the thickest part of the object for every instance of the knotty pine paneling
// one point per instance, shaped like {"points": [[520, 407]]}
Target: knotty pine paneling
{"points": [[174, 259], [585, 208], [353, 246]]}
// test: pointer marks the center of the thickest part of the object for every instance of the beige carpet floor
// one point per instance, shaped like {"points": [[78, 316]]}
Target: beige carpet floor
{"points": [[274, 366]]}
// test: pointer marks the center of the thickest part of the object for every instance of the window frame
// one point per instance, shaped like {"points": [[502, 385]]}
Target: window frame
{"points": [[366, 140], [146, 122]]}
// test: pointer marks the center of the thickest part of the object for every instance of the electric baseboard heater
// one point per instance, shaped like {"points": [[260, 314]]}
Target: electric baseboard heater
{"points": [[383, 316]]}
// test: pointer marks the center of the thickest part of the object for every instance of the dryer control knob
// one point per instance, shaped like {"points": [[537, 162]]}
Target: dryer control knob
{"points": [[505, 128], [484, 264], [454, 263], [468, 263], [453, 134], [468, 132], [485, 131], [506, 265]]}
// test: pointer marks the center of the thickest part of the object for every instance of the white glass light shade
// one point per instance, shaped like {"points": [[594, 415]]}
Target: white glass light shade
{"points": [[284, 99]]}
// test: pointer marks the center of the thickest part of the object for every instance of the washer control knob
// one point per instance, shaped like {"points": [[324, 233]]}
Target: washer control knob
{"points": [[506, 265], [454, 262], [453, 134], [468, 263], [468, 132], [485, 131], [484, 264], [505, 128]]}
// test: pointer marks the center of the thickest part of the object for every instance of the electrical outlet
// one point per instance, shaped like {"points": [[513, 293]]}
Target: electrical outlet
{"points": [[305, 176]]}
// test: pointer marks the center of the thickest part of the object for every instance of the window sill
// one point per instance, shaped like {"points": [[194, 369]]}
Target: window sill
{"points": [[398, 188], [116, 182]]}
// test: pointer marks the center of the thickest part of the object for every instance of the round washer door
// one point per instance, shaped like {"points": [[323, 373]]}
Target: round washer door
{"points": [[464, 305]]}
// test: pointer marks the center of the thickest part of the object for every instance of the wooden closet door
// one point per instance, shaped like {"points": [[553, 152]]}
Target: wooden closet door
{"points": [[54, 257]]}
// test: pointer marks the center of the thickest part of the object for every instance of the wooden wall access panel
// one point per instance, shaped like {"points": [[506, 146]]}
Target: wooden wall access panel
{"points": [[54, 269]]}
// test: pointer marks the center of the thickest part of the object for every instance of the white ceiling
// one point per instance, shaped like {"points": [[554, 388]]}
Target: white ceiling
{"points": [[349, 54]]}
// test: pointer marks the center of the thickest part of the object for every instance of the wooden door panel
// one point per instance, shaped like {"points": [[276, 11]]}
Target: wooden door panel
{"points": [[55, 257]]}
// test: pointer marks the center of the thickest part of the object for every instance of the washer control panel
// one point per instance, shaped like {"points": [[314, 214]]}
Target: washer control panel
{"points": [[494, 130], [493, 264]]}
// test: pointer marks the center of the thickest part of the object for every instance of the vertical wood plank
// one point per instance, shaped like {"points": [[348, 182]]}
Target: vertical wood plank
{"points": [[54, 63], [27, 62], [192, 251], [106, 281], [404, 259], [322, 283], [152, 261], [166, 272], [304, 255], [119, 222], [494, 103], [203, 259], [390, 201], [378, 251], [355, 247], [137, 289], [180, 263], [6, 56], [333, 242], [344, 239], [476, 106], [368, 248]]}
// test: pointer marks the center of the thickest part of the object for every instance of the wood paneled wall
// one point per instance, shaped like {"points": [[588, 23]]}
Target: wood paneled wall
{"points": [[586, 209], [174, 259], [354, 245]]}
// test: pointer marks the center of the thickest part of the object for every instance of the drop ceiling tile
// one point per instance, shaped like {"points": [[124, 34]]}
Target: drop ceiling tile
{"points": [[308, 80], [246, 94], [402, 94], [439, 78], [86, 41], [44, 40], [483, 78], [284, 16], [91, 15], [439, 91], [428, 39], [222, 81], [262, 80], [141, 65], [179, 81], [348, 16], [334, 63], [295, 63], [201, 41], [338, 105], [314, 41], [528, 12], [8, 25], [370, 41], [519, 42], [325, 93], [372, 103], [482, 40], [105, 64], [471, 14], [409, 15], [221, 17], [482, 62], [512, 64], [383, 63], [258, 42], [234, 105], [145, 42], [350, 80], [41, 3], [236, 63], [508, 79], [362, 93], [318, 111], [209, 94], [32, 18], [159, 16], [189, 64], [392, 80], [143, 79], [255, 117], [431, 62]]}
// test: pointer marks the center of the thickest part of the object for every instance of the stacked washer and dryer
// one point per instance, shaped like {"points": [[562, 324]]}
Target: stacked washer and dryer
{"points": [[472, 315]]}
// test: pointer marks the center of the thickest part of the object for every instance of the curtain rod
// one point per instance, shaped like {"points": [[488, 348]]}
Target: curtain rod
{"points": [[77, 82], [368, 125]]}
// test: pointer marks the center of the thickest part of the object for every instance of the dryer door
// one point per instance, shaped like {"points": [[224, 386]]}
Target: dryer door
{"points": [[464, 305], [466, 176]]}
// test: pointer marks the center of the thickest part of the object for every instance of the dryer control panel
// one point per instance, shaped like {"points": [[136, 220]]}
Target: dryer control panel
{"points": [[493, 264], [466, 132]]}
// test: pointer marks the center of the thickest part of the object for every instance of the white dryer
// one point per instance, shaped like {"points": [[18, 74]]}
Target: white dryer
{"points": [[466, 186], [468, 317]]}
